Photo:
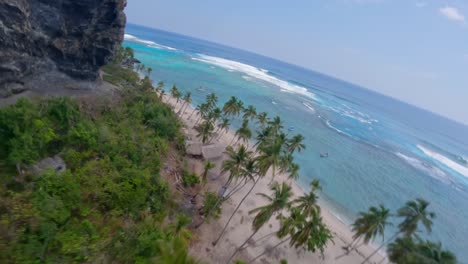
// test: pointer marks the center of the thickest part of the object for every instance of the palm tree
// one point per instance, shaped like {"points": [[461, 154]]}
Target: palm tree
{"points": [[307, 203], [239, 107], [262, 119], [368, 226], [235, 162], [276, 124], [295, 143], [271, 155], [288, 226], [230, 106], [250, 112], [159, 87], [205, 131], [175, 93], [279, 201], [263, 136], [413, 213], [293, 171], [207, 166], [161, 94], [179, 228], [406, 250], [187, 100], [212, 100], [203, 112], [174, 252], [249, 173], [223, 126], [197, 108], [244, 133]]}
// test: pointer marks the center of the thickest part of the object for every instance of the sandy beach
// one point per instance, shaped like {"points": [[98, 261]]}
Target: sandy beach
{"points": [[240, 226]]}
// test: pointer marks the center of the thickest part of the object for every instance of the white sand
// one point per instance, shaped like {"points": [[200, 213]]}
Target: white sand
{"points": [[240, 226]]}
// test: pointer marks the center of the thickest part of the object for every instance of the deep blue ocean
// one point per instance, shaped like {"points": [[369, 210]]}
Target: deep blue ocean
{"points": [[380, 150]]}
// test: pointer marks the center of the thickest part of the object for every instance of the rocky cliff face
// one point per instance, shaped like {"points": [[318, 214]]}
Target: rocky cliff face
{"points": [[57, 38]]}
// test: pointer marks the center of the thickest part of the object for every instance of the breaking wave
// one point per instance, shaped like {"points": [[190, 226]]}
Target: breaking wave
{"points": [[254, 72], [149, 43], [444, 160], [425, 167]]}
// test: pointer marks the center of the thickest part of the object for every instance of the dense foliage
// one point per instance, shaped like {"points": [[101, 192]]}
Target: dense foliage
{"points": [[110, 205]]}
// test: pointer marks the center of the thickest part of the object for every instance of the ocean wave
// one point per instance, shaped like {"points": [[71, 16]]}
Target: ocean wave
{"points": [[353, 114], [309, 106], [149, 43], [445, 160], [257, 73], [425, 167], [338, 130]]}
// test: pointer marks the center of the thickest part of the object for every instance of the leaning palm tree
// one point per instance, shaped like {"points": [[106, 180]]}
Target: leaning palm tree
{"points": [[295, 143], [212, 100], [270, 156], [175, 93], [293, 171], [223, 126], [288, 226], [187, 100], [205, 131], [368, 226], [230, 106], [413, 213], [249, 173], [276, 124], [250, 112], [279, 201], [307, 203], [207, 166], [244, 133], [235, 163], [262, 119], [159, 87]]}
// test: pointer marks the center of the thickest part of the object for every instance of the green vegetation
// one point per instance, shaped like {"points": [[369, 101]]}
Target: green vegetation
{"points": [[190, 179], [111, 203]]}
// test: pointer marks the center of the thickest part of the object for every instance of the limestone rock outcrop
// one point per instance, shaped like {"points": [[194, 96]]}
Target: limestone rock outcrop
{"points": [[57, 38]]}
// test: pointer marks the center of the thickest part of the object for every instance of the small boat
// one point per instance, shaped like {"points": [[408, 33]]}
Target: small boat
{"points": [[291, 128], [324, 154]]}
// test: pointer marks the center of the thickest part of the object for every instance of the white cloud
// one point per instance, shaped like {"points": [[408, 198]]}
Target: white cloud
{"points": [[452, 13]]}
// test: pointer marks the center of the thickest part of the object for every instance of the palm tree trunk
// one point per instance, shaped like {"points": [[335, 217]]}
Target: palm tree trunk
{"points": [[382, 260], [241, 246], [190, 116], [235, 211], [381, 246], [236, 189], [182, 107], [269, 250]]}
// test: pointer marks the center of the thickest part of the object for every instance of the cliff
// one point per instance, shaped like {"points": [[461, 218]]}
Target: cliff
{"points": [[55, 42]]}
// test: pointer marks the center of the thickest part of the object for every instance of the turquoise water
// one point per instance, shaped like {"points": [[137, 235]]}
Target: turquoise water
{"points": [[380, 150]]}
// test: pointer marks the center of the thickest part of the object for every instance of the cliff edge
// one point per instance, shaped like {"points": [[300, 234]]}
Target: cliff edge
{"points": [[56, 42]]}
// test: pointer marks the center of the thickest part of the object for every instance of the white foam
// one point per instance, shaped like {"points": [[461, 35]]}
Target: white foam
{"points": [[353, 114], [446, 161], [309, 106], [149, 43], [257, 73], [427, 168]]}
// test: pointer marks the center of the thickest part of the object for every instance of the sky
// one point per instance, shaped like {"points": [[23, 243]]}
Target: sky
{"points": [[412, 50]]}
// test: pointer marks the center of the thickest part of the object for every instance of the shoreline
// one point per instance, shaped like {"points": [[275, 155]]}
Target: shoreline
{"points": [[239, 228]]}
